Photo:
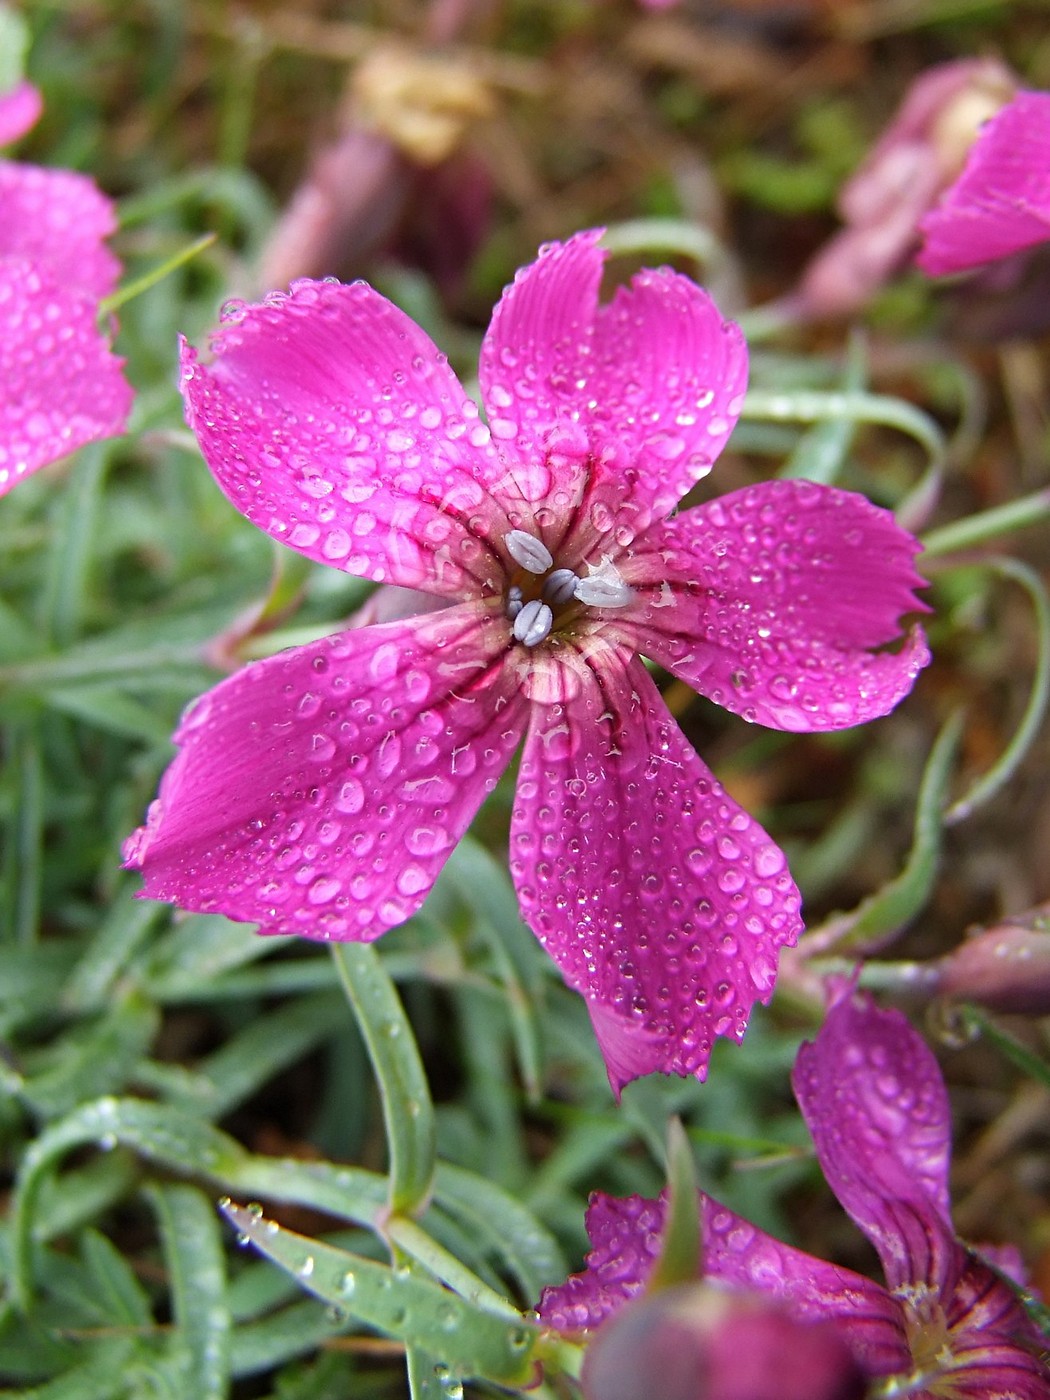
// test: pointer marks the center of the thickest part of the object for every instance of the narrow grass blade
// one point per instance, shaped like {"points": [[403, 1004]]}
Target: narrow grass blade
{"points": [[407, 1109], [892, 907], [1035, 709], [196, 1267]]}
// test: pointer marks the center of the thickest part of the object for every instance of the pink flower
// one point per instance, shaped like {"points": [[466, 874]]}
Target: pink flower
{"points": [[320, 791], [61, 385], [873, 1097], [1000, 204], [914, 160], [701, 1342]]}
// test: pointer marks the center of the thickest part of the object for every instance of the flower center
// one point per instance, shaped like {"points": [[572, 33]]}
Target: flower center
{"points": [[540, 595], [929, 1337]]}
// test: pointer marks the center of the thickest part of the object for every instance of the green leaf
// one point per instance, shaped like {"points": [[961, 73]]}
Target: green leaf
{"points": [[429, 1378], [266, 1045], [853, 408], [407, 1109], [197, 1272], [483, 886], [680, 1258], [198, 951], [900, 899], [177, 1140], [986, 525], [92, 1057], [28, 979], [156, 274], [821, 452], [516, 1237], [107, 956], [106, 707], [1009, 1046], [293, 1331], [473, 1342], [118, 1290]]}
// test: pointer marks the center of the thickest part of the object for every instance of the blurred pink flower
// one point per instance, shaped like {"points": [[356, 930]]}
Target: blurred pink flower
{"points": [[701, 1342], [1000, 204], [320, 791], [61, 385], [873, 1096], [914, 160]]}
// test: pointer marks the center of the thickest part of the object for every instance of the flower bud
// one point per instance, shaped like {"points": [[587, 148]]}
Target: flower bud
{"points": [[918, 155], [696, 1342], [1003, 968]]}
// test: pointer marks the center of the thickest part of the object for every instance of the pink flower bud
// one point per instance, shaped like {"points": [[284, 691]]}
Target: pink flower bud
{"points": [[1004, 968], [697, 1342]]}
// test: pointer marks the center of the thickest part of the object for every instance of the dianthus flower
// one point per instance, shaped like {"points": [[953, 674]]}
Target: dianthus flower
{"points": [[916, 158], [60, 385], [1000, 204], [872, 1094], [320, 791]]}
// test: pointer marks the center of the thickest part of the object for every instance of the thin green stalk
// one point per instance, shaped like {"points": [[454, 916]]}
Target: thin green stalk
{"points": [[149, 279], [988, 524], [407, 1110], [1017, 749], [820, 406], [891, 908]]}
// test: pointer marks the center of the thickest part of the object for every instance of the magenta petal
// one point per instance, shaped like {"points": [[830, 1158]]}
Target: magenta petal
{"points": [[659, 898], [872, 1094], [655, 380], [60, 385], [667, 381], [1001, 202], [740, 1255], [992, 1333], [768, 600], [996, 1366], [625, 1243], [319, 792], [333, 423], [58, 218], [625, 1237], [20, 109]]}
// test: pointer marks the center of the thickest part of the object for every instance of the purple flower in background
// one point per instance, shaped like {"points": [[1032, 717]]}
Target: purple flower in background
{"points": [[61, 385], [1000, 204], [320, 791], [698, 1341], [918, 155], [872, 1094]]}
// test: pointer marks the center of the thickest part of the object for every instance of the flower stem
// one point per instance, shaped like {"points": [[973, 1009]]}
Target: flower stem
{"points": [[988, 524]]}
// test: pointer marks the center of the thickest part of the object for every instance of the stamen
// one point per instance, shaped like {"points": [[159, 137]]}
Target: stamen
{"points": [[533, 623], [528, 551], [560, 586], [604, 587], [513, 600]]}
